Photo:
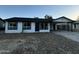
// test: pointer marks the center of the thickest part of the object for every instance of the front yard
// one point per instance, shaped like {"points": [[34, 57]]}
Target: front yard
{"points": [[37, 43]]}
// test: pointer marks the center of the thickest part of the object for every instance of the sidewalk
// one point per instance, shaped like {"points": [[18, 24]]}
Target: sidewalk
{"points": [[71, 35]]}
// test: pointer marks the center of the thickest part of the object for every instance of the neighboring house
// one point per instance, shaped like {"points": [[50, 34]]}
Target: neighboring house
{"points": [[30, 25], [2, 24]]}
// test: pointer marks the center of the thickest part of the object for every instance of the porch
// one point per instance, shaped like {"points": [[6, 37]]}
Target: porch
{"points": [[62, 26]]}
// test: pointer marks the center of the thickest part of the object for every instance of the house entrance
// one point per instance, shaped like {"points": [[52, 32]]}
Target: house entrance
{"points": [[37, 26]]}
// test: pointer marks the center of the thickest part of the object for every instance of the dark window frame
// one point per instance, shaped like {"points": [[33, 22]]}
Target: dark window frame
{"points": [[12, 25], [26, 25]]}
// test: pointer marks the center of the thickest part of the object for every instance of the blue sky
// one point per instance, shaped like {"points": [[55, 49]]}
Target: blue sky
{"points": [[7, 11]]}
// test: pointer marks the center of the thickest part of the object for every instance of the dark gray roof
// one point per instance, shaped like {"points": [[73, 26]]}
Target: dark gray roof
{"points": [[26, 19], [65, 18], [21, 19], [2, 20]]}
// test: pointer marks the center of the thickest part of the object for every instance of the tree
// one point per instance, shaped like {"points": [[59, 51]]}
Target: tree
{"points": [[48, 17]]}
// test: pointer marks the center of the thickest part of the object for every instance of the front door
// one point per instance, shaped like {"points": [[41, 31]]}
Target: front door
{"points": [[36, 26]]}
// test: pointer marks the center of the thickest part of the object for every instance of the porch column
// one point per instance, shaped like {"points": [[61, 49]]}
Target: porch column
{"points": [[51, 26], [56, 27], [71, 27], [67, 26]]}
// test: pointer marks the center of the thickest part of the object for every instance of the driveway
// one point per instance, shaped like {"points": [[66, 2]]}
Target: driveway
{"points": [[71, 35]]}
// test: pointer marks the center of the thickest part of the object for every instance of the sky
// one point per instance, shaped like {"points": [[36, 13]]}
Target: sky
{"points": [[70, 11]]}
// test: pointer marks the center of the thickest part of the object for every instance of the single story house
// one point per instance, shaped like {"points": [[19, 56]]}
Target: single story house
{"points": [[31, 25], [26, 25]]}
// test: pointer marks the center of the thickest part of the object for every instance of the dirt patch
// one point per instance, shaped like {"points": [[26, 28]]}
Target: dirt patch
{"points": [[37, 43]]}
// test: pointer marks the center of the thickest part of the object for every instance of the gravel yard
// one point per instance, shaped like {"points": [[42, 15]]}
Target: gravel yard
{"points": [[37, 43]]}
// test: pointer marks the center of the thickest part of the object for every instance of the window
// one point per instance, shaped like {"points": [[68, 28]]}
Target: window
{"points": [[12, 25], [44, 26], [26, 25]]}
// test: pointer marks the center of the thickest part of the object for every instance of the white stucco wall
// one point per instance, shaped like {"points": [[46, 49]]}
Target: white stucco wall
{"points": [[47, 30]]}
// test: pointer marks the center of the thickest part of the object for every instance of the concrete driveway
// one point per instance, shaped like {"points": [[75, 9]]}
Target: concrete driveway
{"points": [[71, 35]]}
